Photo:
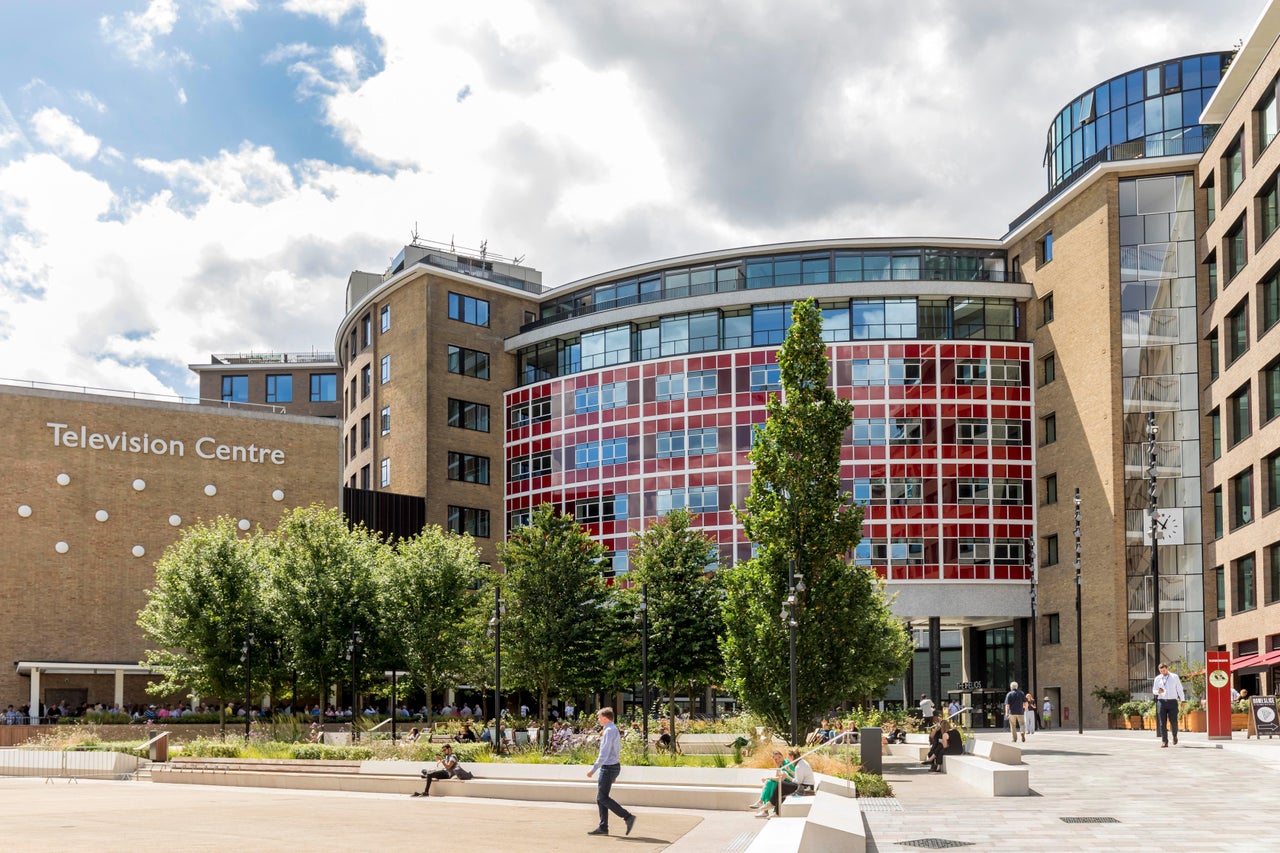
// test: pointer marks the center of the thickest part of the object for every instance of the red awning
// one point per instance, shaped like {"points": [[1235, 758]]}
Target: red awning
{"points": [[1245, 662]]}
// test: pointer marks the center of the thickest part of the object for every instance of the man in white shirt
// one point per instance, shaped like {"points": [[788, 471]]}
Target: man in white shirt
{"points": [[1168, 691], [926, 707], [609, 766]]}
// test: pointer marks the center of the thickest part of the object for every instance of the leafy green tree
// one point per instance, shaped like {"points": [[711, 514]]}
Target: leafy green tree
{"points": [[672, 558], [557, 607], [209, 594], [323, 587], [849, 645], [431, 613]]}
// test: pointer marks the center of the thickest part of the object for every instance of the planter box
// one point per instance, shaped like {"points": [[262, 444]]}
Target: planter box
{"points": [[1194, 721], [1133, 723], [1239, 722]]}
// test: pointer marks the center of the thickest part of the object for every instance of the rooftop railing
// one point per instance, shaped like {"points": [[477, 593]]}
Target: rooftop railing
{"points": [[274, 358]]}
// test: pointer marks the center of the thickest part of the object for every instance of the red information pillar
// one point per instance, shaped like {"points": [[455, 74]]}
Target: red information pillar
{"points": [[1217, 679]]}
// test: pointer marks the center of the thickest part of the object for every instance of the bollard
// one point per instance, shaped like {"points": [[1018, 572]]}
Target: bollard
{"points": [[869, 740]]}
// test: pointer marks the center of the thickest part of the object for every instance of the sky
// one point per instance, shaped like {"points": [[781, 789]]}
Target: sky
{"points": [[187, 177]]}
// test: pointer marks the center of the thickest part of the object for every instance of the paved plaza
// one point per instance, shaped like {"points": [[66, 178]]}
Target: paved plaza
{"points": [[1196, 797]]}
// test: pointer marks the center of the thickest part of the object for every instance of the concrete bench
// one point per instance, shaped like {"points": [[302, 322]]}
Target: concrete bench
{"points": [[913, 751], [995, 750], [989, 777], [829, 822], [778, 835], [709, 744]]}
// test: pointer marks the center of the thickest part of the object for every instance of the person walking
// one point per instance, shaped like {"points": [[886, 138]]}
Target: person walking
{"points": [[1015, 705], [1168, 691], [1029, 715], [926, 708], [609, 766]]}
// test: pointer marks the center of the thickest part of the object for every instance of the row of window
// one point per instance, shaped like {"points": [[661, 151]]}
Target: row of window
{"points": [[1239, 492], [1001, 552], [1239, 415], [324, 388], [1244, 582], [907, 264], [766, 325]]}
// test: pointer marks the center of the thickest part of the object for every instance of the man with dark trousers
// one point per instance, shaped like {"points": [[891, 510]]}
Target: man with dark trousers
{"points": [[1168, 691], [609, 766]]}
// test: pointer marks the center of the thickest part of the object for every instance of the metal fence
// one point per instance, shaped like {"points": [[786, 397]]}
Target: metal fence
{"points": [[51, 764]]}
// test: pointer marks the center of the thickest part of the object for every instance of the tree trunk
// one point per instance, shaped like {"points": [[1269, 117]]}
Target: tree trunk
{"points": [[671, 716], [543, 712]]}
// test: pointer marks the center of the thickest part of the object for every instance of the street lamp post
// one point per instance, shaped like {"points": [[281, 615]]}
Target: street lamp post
{"points": [[1152, 486], [395, 711], [644, 665], [495, 626], [790, 613], [1079, 630], [1035, 577], [247, 659], [353, 654]]}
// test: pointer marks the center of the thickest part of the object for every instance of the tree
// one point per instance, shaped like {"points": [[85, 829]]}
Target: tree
{"points": [[671, 558], [431, 614], [209, 594], [557, 606], [324, 587], [848, 642]]}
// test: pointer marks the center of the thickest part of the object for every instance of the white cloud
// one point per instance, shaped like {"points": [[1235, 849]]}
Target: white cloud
{"points": [[251, 175], [182, 95], [330, 10], [91, 101], [135, 36], [288, 52], [60, 132], [231, 10]]}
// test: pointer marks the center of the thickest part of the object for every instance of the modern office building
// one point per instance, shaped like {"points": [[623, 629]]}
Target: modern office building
{"points": [[294, 383]]}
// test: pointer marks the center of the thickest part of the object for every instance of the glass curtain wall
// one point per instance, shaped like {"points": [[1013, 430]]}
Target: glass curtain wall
{"points": [[1158, 321]]}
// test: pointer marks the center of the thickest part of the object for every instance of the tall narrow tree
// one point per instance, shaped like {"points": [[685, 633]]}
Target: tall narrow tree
{"points": [[672, 558], [849, 644], [554, 630]]}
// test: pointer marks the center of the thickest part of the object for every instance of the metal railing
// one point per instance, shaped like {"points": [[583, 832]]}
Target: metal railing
{"points": [[147, 396], [50, 764]]}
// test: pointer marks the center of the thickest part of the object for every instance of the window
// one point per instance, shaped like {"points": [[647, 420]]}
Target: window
{"points": [[766, 377], [1244, 584], [1241, 486], [468, 309], [1051, 489], [534, 465], [1053, 629], [385, 318], [1211, 271], [366, 327], [1266, 118], [324, 387], [533, 412], [1220, 588], [467, 415], [366, 381], [1046, 310], [1215, 426], [352, 395], [1237, 326], [1044, 249], [608, 452], [669, 386], [1238, 409], [386, 369], [1269, 212], [606, 508], [352, 443], [235, 389], [1272, 586], [386, 420], [465, 519], [1236, 253], [1214, 358], [1232, 168], [1050, 551], [279, 388], [1006, 432], [1271, 482], [1268, 302], [365, 430], [364, 477], [971, 432], [609, 396], [384, 472], [519, 518], [1271, 391], [1048, 369], [1211, 200], [1215, 498], [1048, 429], [696, 499], [467, 468], [702, 383], [695, 442], [970, 372], [468, 362]]}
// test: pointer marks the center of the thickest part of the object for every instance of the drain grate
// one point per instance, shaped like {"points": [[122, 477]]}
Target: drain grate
{"points": [[879, 804], [741, 841], [1089, 820], [935, 843]]}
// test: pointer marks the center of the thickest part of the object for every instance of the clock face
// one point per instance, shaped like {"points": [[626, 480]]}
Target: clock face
{"points": [[1169, 530], [1218, 678]]}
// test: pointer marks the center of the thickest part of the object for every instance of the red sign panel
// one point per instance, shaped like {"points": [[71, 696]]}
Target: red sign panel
{"points": [[1217, 681]]}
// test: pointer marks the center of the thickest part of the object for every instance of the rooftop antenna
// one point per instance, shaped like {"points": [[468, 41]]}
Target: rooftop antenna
{"points": [[518, 260], [484, 247], [414, 233], [451, 249]]}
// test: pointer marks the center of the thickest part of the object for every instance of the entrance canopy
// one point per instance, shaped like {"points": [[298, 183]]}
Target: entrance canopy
{"points": [[34, 669]]}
